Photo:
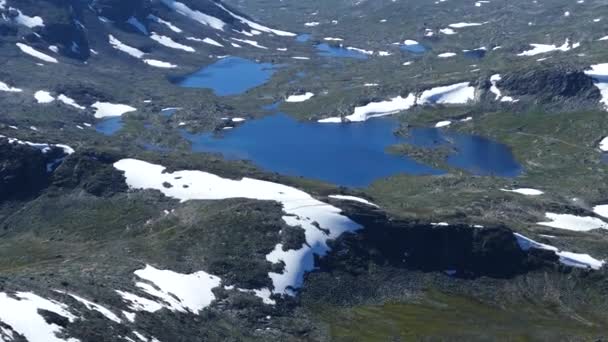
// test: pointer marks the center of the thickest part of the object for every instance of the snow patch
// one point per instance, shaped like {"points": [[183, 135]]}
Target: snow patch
{"points": [[459, 93], [599, 73], [21, 313], [376, 109], [36, 54], [43, 96], [545, 48], [107, 109], [566, 258], [525, 191], [299, 98], [170, 43], [353, 198], [319, 220], [573, 222]]}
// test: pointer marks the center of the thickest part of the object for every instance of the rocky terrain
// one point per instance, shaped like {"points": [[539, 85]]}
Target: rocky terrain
{"points": [[124, 217]]}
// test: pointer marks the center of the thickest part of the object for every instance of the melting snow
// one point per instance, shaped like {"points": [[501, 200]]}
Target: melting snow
{"points": [[525, 191], [250, 42], [198, 16], [179, 292], [319, 220], [42, 96], [21, 312], [255, 25], [446, 55], [601, 210], [206, 40], [461, 25], [376, 109], [168, 42], [28, 21], [166, 23], [69, 101], [117, 44], [459, 93], [544, 48], [352, 198], [443, 124], [106, 109], [35, 53], [5, 87], [573, 222], [566, 258], [604, 144], [159, 64], [300, 98], [599, 73], [94, 307]]}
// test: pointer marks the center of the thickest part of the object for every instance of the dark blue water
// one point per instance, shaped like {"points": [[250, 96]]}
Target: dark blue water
{"points": [[109, 126], [229, 76], [414, 48], [476, 154], [303, 38], [327, 50], [475, 54], [350, 155]]}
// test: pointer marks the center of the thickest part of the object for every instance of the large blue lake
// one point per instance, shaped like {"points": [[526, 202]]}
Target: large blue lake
{"points": [[349, 154], [229, 76]]}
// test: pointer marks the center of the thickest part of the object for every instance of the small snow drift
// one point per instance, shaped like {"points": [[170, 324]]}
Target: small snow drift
{"points": [[106, 109], [459, 93], [494, 79], [179, 292], [599, 73], [300, 97], [219, 24], [43, 96], [566, 258], [604, 144], [353, 198], [544, 48], [36, 54], [525, 191], [601, 210], [6, 88], [573, 222], [376, 109]]}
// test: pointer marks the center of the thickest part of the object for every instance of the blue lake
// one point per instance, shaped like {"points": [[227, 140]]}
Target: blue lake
{"points": [[475, 54], [303, 38], [414, 48], [348, 154], [327, 50], [476, 154], [109, 126], [229, 76]]}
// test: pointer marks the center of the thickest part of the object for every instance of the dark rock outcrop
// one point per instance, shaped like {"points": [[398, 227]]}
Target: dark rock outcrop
{"points": [[552, 84], [464, 250], [92, 171], [23, 171]]}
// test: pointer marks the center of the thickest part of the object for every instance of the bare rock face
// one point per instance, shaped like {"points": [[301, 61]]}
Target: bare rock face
{"points": [[465, 250], [23, 171], [554, 85]]}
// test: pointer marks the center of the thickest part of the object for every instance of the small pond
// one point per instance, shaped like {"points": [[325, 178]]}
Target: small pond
{"points": [[327, 50], [229, 76]]}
